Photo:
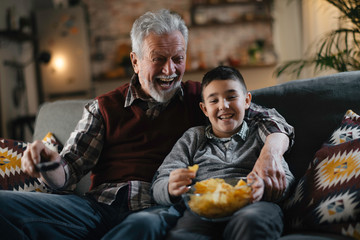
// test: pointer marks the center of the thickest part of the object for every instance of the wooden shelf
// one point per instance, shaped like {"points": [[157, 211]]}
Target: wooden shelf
{"points": [[16, 36], [242, 66], [268, 20], [207, 13]]}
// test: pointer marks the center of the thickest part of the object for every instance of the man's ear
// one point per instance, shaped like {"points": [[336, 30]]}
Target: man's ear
{"points": [[203, 108], [134, 62], [248, 97]]}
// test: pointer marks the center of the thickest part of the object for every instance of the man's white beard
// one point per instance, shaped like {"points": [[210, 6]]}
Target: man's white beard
{"points": [[164, 96]]}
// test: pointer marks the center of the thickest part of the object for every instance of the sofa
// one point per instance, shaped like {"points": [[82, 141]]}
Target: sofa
{"points": [[317, 108]]}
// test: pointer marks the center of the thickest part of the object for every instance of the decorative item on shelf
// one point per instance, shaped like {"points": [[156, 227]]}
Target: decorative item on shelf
{"points": [[25, 24], [11, 23], [255, 51], [122, 63], [202, 64], [201, 17]]}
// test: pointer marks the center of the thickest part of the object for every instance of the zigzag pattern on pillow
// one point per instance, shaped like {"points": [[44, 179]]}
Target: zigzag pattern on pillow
{"points": [[11, 175], [327, 197]]}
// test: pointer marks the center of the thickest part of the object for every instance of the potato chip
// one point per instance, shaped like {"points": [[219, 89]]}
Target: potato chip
{"points": [[193, 168], [241, 182]]}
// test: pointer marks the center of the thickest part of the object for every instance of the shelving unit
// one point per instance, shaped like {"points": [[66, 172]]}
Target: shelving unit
{"points": [[19, 125], [210, 13], [240, 32], [16, 36]]}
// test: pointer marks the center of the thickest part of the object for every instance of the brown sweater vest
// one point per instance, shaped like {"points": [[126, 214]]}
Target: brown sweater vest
{"points": [[135, 145]]}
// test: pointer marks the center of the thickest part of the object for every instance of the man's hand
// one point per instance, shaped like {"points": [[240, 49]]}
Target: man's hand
{"points": [[33, 155], [179, 179], [269, 167]]}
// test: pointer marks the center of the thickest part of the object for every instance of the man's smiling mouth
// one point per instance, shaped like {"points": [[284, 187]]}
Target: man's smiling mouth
{"points": [[165, 82], [166, 79]]}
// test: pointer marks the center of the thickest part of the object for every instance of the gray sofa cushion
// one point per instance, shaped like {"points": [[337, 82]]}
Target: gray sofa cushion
{"points": [[314, 236]]}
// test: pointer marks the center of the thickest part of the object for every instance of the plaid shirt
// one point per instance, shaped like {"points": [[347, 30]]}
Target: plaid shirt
{"points": [[81, 152]]}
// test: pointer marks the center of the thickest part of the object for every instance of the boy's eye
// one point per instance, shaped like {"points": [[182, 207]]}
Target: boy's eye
{"points": [[213, 100], [232, 97]]}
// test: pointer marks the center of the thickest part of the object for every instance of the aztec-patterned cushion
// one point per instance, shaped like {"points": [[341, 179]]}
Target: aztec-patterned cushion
{"points": [[327, 197], [11, 175]]}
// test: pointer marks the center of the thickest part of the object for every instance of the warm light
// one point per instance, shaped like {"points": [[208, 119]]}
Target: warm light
{"points": [[59, 63]]}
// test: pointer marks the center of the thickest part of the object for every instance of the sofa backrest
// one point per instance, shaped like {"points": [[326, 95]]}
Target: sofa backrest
{"points": [[60, 118], [315, 108]]}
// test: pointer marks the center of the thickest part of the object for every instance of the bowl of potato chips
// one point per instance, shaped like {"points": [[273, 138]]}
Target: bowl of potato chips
{"points": [[216, 199]]}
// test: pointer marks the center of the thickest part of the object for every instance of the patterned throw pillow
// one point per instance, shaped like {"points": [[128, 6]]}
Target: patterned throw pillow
{"points": [[327, 197], [11, 175]]}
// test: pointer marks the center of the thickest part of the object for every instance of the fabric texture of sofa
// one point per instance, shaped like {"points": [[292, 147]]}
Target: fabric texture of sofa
{"points": [[316, 108]]}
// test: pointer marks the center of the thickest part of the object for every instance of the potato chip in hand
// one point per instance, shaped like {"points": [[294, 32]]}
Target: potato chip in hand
{"points": [[193, 168]]}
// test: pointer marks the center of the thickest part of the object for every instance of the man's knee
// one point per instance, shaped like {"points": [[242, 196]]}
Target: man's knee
{"points": [[139, 225], [143, 220], [8, 201]]}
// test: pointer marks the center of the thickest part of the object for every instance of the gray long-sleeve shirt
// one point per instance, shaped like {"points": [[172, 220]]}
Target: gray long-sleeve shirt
{"points": [[216, 157]]}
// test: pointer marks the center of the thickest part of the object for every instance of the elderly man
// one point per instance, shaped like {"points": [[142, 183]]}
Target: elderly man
{"points": [[122, 138]]}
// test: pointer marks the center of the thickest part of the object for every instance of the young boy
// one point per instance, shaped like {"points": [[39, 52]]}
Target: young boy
{"points": [[228, 147]]}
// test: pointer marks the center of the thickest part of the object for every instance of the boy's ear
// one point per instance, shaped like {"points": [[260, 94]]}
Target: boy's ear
{"points": [[134, 62], [203, 108], [248, 100]]}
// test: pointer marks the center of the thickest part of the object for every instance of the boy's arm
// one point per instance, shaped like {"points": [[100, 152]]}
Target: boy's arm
{"points": [[278, 136]]}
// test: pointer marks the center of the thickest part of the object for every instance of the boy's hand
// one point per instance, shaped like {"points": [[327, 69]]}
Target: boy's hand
{"points": [[257, 186], [179, 179]]}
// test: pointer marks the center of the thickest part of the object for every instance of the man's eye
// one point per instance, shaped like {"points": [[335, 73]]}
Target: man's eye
{"points": [[158, 60], [178, 59]]}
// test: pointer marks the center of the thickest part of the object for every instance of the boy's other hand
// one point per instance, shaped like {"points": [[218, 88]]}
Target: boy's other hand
{"points": [[257, 185], [179, 180]]}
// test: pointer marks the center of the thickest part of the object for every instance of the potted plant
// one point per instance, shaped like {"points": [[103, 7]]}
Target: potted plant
{"points": [[338, 49]]}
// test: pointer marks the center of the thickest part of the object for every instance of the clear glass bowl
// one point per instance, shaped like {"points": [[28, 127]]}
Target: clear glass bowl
{"points": [[221, 204]]}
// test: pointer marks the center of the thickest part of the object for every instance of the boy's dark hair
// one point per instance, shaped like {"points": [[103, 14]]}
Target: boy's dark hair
{"points": [[222, 73]]}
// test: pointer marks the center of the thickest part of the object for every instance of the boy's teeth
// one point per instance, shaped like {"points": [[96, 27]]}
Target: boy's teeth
{"points": [[226, 116]]}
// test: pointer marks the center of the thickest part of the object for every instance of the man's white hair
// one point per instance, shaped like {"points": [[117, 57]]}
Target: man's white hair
{"points": [[161, 22]]}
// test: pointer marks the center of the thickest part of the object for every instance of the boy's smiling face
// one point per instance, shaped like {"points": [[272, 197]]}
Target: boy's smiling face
{"points": [[224, 104]]}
